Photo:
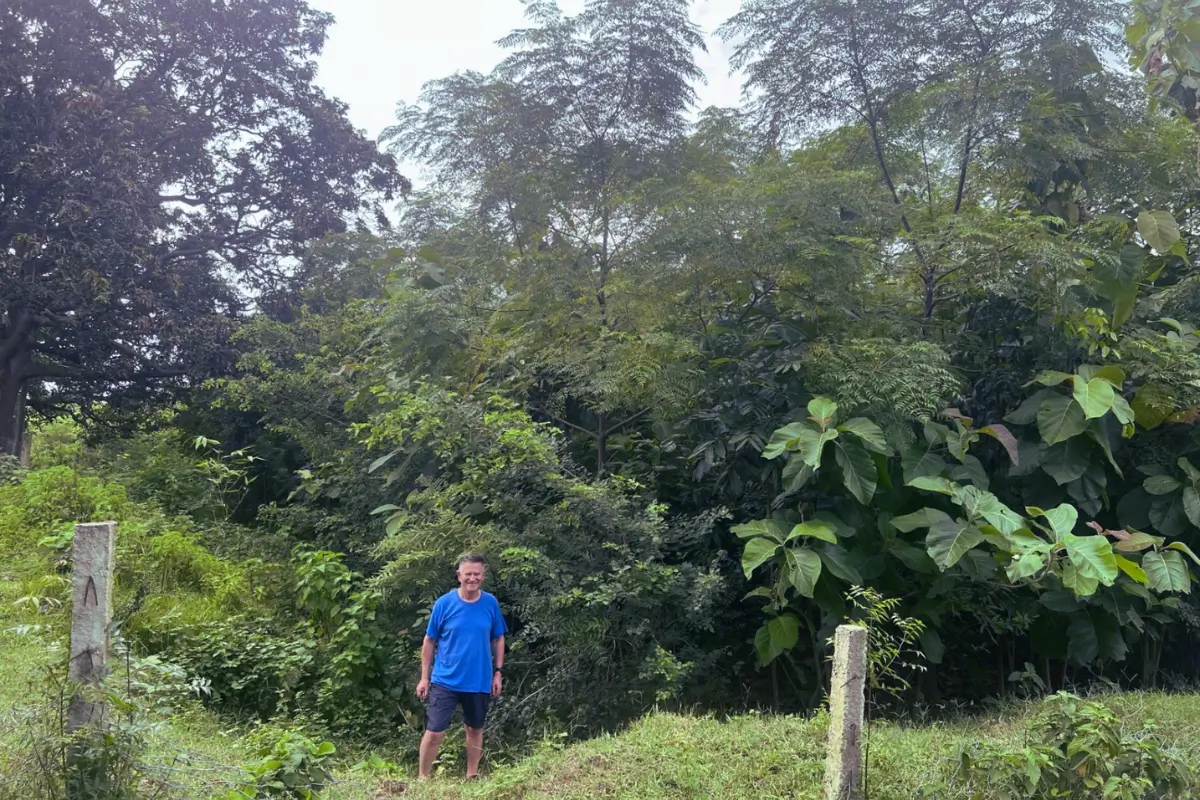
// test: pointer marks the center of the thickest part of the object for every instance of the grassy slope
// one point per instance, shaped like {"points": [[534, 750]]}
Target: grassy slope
{"points": [[661, 756], [669, 756]]}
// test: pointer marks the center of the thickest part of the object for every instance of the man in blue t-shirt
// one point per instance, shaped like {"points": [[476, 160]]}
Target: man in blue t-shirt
{"points": [[467, 631]]}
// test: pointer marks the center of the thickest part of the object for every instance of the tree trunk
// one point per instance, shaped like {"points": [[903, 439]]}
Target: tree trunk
{"points": [[601, 445], [12, 402]]}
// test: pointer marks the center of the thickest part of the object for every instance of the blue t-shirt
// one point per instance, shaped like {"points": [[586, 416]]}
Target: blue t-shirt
{"points": [[464, 633]]}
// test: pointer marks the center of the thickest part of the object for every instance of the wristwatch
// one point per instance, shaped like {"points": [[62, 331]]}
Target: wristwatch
{"points": [[499, 669]]}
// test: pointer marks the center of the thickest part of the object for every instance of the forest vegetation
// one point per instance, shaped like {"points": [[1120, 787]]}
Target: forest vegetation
{"points": [[910, 338]]}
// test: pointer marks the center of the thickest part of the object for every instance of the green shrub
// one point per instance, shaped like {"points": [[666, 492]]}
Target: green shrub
{"points": [[293, 766], [58, 443], [11, 471], [45, 499], [1078, 751], [248, 669]]}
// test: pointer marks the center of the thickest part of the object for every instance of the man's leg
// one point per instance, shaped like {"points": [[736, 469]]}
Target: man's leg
{"points": [[441, 709], [474, 750], [429, 750], [475, 706]]}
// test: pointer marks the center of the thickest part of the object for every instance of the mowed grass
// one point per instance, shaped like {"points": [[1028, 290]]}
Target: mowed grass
{"points": [[662, 755]]}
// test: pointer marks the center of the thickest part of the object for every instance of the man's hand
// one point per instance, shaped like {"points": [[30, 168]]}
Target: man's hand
{"points": [[423, 690], [496, 684]]}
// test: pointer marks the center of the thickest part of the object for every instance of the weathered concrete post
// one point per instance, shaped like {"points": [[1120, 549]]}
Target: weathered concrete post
{"points": [[843, 756], [91, 615]]}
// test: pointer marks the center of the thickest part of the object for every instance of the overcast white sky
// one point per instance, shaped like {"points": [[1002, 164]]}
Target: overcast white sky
{"points": [[382, 51]]}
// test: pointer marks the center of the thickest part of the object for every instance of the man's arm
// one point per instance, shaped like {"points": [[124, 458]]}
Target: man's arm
{"points": [[497, 665], [427, 649]]}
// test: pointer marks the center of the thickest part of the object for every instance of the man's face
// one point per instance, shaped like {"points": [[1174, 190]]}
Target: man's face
{"points": [[470, 575]]}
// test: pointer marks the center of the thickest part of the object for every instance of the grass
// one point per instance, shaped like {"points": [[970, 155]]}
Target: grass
{"points": [[673, 756]]}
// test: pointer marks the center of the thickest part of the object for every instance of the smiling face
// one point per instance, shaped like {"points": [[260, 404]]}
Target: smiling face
{"points": [[470, 576]]}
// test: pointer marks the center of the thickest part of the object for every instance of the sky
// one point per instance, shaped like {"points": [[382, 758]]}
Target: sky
{"points": [[382, 51]]}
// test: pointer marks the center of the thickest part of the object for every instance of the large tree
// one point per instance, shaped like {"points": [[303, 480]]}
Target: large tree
{"points": [[564, 151], [161, 164]]}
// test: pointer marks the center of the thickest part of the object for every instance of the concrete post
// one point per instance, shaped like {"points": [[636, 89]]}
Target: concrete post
{"points": [[847, 699], [91, 615]]}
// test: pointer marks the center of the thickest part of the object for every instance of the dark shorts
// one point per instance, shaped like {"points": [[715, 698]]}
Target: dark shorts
{"points": [[443, 701]]}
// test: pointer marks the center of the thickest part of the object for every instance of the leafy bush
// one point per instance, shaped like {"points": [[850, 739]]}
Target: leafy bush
{"points": [[47, 498], [1079, 751], [246, 668], [293, 766], [332, 664], [11, 471]]}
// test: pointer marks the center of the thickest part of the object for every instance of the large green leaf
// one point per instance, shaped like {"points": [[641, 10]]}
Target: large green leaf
{"points": [[1060, 418], [1159, 229], [920, 463], [948, 540], [1112, 641], [811, 445], [1160, 484], [934, 483], [1082, 585], [1031, 454], [821, 411], [1025, 566], [1105, 434], [914, 558], [979, 503], [776, 636], [796, 474], [1132, 569], [1117, 280], [785, 438], [1082, 643], [1095, 397], [1122, 410], [1183, 548], [923, 518], [971, 470], [858, 471], [804, 568], [838, 562], [1192, 473], [1191, 505], [1051, 377], [1152, 404], [1004, 436], [932, 646], [818, 529], [1167, 571], [1067, 460], [1109, 372], [1093, 557], [773, 529], [1026, 413], [870, 434], [758, 552], [1060, 602], [1062, 518], [1168, 516]]}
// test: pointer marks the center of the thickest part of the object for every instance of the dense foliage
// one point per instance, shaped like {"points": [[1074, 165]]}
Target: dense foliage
{"points": [[919, 324]]}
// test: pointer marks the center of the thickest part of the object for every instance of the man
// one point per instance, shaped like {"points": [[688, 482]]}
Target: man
{"points": [[467, 631]]}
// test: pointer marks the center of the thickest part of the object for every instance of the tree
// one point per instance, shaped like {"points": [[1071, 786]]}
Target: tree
{"points": [[565, 148], [161, 164], [929, 85]]}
